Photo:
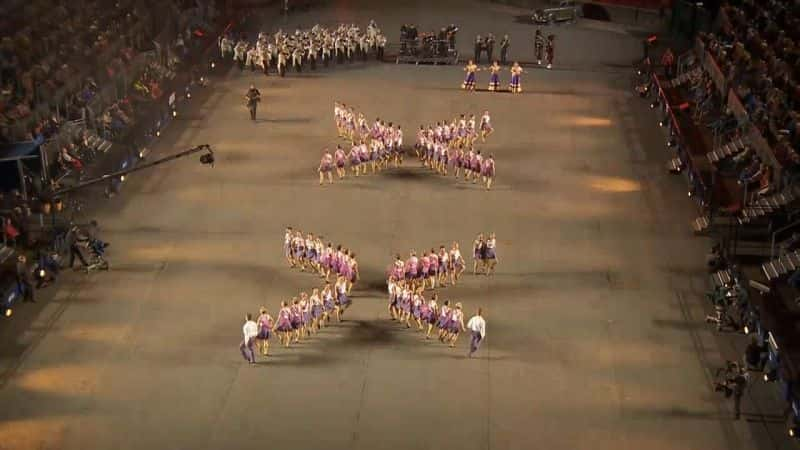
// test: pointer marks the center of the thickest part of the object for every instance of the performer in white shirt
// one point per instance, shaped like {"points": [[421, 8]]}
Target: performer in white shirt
{"points": [[477, 327], [250, 331]]}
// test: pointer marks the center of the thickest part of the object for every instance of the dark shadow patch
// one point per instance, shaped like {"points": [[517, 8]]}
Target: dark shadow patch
{"points": [[593, 11], [286, 120], [362, 333], [675, 324], [406, 174], [674, 412], [524, 18]]}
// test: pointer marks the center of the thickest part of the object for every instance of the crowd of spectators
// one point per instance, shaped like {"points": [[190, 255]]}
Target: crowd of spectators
{"points": [[758, 51], [54, 58]]}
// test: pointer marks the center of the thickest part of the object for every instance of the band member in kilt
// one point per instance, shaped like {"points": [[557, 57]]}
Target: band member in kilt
{"points": [[538, 45], [550, 50]]}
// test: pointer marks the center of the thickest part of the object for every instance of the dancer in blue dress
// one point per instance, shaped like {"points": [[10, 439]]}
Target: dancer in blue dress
{"points": [[469, 80], [494, 79], [516, 79]]}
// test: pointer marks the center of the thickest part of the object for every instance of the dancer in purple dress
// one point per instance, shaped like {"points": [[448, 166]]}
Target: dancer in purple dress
{"points": [[405, 305], [342, 299], [488, 172], [284, 325], [444, 266], [305, 315], [425, 267], [265, 324], [355, 159], [287, 246], [394, 289], [491, 254], [417, 300], [455, 325], [475, 166], [430, 314], [457, 263], [296, 317], [443, 321], [412, 269], [340, 159], [433, 272], [478, 249], [486, 126], [317, 310], [327, 258], [326, 167], [328, 304]]}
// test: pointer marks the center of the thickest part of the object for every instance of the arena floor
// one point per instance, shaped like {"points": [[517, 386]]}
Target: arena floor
{"points": [[592, 338]]}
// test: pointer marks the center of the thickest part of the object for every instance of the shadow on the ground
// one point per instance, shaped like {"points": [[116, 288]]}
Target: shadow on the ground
{"points": [[675, 324]]}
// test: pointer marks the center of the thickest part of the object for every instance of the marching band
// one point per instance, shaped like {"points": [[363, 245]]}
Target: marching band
{"points": [[304, 48]]}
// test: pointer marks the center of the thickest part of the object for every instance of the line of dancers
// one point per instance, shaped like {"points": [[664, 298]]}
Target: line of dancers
{"points": [[376, 146], [354, 127], [408, 306], [310, 254], [441, 148], [433, 268], [297, 319], [306, 315], [484, 254], [514, 86]]}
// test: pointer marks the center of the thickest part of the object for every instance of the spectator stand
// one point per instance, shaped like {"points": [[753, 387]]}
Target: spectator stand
{"points": [[748, 84], [732, 134]]}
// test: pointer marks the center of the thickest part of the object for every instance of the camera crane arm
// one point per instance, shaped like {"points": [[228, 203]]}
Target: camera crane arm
{"points": [[206, 158]]}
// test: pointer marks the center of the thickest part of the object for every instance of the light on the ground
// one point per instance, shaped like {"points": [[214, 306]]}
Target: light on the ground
{"points": [[614, 184], [586, 121], [41, 273], [746, 329], [213, 64], [188, 95], [122, 178], [158, 133], [8, 312], [654, 104], [174, 113]]}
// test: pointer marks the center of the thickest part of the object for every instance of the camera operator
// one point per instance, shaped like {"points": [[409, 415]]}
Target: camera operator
{"points": [[755, 355], [732, 380], [78, 240], [25, 280], [82, 239], [47, 268]]}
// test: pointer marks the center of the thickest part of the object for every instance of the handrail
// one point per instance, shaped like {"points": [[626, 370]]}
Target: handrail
{"points": [[775, 233]]}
